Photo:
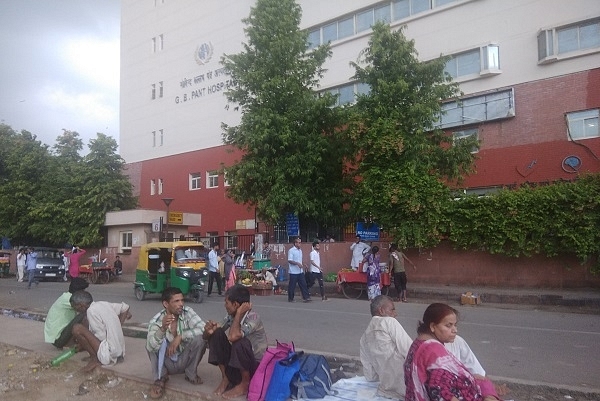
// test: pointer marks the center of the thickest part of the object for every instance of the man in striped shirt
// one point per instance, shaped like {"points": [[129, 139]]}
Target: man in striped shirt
{"points": [[174, 343]]}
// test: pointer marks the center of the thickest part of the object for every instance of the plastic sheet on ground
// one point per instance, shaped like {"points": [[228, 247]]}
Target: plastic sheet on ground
{"points": [[354, 389]]}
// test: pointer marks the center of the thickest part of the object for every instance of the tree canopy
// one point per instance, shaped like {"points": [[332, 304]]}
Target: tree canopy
{"points": [[293, 157], [400, 163], [59, 197]]}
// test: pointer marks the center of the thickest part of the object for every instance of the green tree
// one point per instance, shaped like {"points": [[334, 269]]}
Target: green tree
{"points": [[24, 166], [292, 155], [60, 197], [401, 163]]}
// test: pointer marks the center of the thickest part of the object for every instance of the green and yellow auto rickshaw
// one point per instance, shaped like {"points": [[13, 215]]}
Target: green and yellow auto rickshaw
{"points": [[180, 264]]}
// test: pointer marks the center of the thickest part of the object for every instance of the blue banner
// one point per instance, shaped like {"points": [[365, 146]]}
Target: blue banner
{"points": [[368, 231]]}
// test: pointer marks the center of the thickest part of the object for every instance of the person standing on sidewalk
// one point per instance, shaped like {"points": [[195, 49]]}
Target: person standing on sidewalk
{"points": [[296, 271], [213, 269], [397, 258], [31, 265], [315, 268], [21, 263]]}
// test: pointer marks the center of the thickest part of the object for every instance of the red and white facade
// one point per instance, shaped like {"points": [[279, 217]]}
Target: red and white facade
{"points": [[527, 69]]}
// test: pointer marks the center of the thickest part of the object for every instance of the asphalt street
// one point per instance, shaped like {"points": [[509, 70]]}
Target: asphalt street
{"points": [[524, 344]]}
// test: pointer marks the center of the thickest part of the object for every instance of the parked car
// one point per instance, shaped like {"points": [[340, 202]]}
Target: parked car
{"points": [[50, 265]]}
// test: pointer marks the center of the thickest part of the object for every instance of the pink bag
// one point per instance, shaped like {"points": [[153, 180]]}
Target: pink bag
{"points": [[262, 377]]}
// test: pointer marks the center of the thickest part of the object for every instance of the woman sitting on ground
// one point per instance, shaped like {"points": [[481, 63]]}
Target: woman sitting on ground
{"points": [[431, 373]]}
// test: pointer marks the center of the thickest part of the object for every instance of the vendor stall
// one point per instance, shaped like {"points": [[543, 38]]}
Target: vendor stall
{"points": [[353, 283]]}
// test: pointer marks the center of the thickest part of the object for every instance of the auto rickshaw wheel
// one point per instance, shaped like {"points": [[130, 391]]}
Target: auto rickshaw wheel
{"points": [[197, 296], [140, 294]]}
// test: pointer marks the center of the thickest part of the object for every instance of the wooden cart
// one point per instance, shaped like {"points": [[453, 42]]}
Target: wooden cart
{"points": [[96, 273], [353, 283]]}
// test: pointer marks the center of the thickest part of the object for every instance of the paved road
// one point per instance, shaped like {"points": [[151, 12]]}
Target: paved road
{"points": [[524, 344]]}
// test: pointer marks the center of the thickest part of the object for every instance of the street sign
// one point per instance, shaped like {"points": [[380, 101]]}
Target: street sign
{"points": [[175, 217], [292, 224], [367, 231]]}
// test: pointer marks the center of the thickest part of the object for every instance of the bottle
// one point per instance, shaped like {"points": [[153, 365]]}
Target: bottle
{"points": [[63, 357]]}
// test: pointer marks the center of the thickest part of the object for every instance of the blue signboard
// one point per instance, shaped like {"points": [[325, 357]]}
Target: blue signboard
{"points": [[292, 224], [368, 231]]}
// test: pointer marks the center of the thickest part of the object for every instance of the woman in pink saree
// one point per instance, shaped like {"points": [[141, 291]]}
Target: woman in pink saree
{"points": [[431, 373]]}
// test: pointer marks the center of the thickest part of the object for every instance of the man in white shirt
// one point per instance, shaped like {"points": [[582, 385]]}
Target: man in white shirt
{"points": [[104, 339], [213, 270], [296, 271], [315, 268], [383, 349], [359, 250]]}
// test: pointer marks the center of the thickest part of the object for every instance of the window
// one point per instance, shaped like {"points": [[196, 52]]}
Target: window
{"points": [[475, 109], [569, 41], [154, 45], [153, 139], [153, 96], [464, 134], [157, 43], [481, 61], [383, 14], [213, 238], [160, 42], [160, 89], [126, 241], [225, 180], [152, 187], [364, 20], [195, 179], [583, 124], [160, 186], [347, 94], [231, 239], [346, 28], [162, 137], [212, 179]]}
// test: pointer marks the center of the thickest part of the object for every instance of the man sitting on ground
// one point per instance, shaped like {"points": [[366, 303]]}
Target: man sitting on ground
{"points": [[238, 352], [383, 348], [104, 339], [174, 342], [61, 317]]}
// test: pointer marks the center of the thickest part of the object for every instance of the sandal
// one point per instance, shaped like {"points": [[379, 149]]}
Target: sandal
{"points": [[196, 380], [158, 388]]}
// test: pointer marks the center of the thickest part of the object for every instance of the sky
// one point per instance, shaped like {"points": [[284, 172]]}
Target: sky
{"points": [[59, 67]]}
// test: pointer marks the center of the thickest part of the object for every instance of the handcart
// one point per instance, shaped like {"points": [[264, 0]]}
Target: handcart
{"points": [[96, 273], [353, 283]]}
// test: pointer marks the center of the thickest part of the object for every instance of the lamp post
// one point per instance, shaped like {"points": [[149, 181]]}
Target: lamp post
{"points": [[167, 202]]}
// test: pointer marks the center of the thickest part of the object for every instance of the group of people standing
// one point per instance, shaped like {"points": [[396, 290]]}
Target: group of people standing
{"points": [[220, 269], [367, 260], [27, 262]]}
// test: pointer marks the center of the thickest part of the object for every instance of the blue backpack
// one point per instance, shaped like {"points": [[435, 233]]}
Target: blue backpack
{"points": [[313, 379]]}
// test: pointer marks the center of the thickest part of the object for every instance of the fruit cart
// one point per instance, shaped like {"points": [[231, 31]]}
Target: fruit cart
{"points": [[96, 273], [353, 283]]}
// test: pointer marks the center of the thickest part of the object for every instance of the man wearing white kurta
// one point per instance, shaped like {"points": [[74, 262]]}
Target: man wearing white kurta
{"points": [[359, 250], [383, 348]]}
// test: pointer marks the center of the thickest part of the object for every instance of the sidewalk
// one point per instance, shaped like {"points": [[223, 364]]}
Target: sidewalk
{"points": [[584, 299], [25, 329]]}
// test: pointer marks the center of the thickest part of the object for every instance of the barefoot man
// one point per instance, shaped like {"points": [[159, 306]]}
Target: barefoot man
{"points": [[104, 339], [238, 352]]}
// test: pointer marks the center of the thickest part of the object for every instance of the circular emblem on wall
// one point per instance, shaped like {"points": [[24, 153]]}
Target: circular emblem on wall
{"points": [[203, 53], [571, 164]]}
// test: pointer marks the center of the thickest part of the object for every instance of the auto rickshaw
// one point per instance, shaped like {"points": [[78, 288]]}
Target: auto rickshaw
{"points": [[180, 264]]}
